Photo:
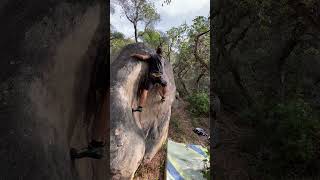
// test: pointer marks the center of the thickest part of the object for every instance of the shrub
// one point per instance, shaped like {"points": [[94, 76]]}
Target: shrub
{"points": [[286, 140], [199, 104]]}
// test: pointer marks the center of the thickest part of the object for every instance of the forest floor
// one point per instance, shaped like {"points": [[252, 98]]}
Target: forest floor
{"points": [[180, 130]]}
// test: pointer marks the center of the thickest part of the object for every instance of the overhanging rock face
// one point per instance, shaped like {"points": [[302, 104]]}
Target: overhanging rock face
{"points": [[136, 137]]}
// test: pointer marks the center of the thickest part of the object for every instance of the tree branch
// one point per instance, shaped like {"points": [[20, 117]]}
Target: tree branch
{"points": [[200, 76], [128, 18], [195, 50]]}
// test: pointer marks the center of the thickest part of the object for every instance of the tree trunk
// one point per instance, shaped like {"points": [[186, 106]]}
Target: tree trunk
{"points": [[195, 50], [135, 32], [169, 53], [184, 86], [199, 78]]}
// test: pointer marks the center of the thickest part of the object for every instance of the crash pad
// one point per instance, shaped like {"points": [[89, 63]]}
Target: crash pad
{"points": [[186, 161]]}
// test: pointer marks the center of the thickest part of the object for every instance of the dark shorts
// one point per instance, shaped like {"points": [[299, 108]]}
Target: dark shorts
{"points": [[151, 81]]}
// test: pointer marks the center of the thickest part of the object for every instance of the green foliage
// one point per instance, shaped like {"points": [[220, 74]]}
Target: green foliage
{"points": [[116, 35], [118, 41], [175, 36], [152, 37], [200, 24], [184, 55], [199, 104], [295, 128], [150, 14], [118, 44], [189, 70], [290, 136]]}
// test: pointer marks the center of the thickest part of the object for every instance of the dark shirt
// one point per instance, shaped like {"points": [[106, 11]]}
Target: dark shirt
{"points": [[155, 64]]}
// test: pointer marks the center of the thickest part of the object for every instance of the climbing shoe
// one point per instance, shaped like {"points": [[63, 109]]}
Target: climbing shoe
{"points": [[139, 109], [163, 99], [94, 150]]}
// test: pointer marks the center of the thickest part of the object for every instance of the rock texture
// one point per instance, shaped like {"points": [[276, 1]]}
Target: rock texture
{"points": [[48, 52], [136, 137], [216, 118], [216, 105]]}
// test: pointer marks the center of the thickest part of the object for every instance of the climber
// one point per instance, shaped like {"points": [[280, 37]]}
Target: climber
{"points": [[155, 75]]}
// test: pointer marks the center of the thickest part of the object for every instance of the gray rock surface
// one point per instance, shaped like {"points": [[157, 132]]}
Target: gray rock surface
{"points": [[48, 51], [136, 137], [216, 104], [216, 120]]}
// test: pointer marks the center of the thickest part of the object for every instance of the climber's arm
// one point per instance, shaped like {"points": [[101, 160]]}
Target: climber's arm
{"points": [[141, 56]]}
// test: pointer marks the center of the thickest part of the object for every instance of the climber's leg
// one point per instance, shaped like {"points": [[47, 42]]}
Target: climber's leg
{"points": [[143, 97], [142, 100], [163, 91]]}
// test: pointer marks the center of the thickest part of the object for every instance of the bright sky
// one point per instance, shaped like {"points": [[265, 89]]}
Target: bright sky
{"points": [[174, 14]]}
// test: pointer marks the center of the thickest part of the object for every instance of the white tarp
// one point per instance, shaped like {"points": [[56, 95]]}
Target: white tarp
{"points": [[185, 161]]}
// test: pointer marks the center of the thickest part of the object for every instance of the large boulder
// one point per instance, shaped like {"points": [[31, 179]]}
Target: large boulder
{"points": [[136, 137], [48, 53]]}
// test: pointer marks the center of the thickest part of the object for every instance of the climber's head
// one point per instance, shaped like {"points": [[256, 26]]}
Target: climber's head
{"points": [[159, 50]]}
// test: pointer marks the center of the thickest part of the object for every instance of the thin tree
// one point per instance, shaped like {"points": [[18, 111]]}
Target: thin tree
{"points": [[139, 11]]}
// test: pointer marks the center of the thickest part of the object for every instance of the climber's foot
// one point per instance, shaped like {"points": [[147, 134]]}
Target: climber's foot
{"points": [[163, 99], [94, 150], [139, 109]]}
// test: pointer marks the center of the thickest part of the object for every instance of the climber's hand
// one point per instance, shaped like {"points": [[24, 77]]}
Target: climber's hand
{"points": [[141, 56]]}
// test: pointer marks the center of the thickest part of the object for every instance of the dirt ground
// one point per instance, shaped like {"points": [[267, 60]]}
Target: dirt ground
{"points": [[154, 170], [182, 123], [180, 130]]}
